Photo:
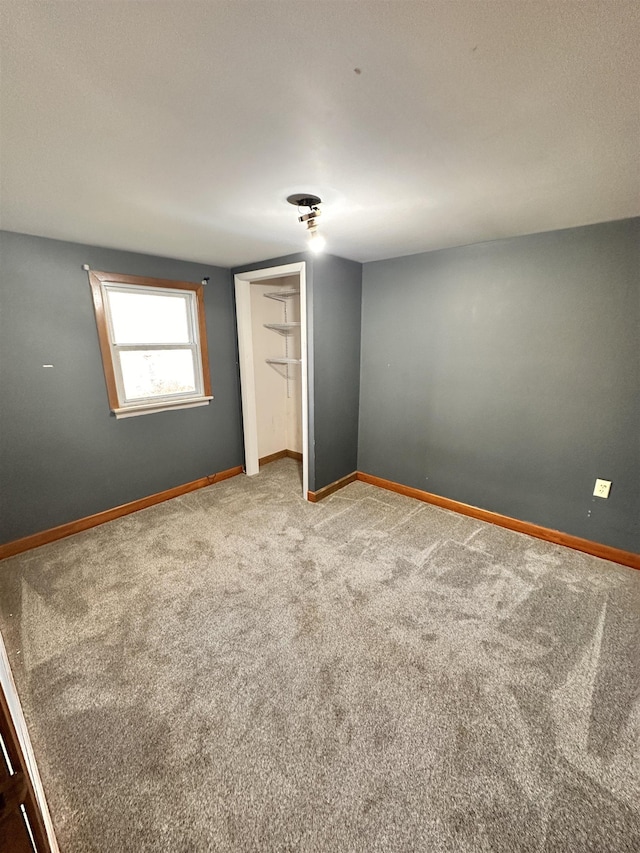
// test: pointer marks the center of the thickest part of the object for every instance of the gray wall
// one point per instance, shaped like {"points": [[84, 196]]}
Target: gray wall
{"points": [[506, 375], [62, 454], [336, 317]]}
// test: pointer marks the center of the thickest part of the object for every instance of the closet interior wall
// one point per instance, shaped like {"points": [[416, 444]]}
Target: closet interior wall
{"points": [[277, 383]]}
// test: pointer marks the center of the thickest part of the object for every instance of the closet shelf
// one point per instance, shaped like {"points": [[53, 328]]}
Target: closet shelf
{"points": [[282, 295], [283, 328], [284, 360]]}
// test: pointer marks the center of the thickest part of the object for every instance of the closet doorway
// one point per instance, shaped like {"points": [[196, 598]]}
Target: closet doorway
{"points": [[271, 310]]}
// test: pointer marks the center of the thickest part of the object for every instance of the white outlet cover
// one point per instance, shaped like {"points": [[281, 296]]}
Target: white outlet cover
{"points": [[602, 488]]}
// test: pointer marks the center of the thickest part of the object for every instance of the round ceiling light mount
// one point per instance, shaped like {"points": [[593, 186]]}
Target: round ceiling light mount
{"points": [[316, 241], [304, 200]]}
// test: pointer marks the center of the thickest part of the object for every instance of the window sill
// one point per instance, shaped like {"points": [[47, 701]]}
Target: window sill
{"points": [[164, 406]]}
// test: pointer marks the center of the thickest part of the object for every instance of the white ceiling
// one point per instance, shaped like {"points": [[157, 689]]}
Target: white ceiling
{"points": [[179, 129]]}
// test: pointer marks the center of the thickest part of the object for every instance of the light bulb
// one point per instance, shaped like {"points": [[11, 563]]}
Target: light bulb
{"points": [[316, 242]]}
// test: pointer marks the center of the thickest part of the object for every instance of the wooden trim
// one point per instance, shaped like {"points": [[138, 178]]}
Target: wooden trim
{"points": [[596, 549], [325, 491], [143, 281], [605, 552], [204, 347], [280, 454], [272, 457], [103, 338], [96, 279], [54, 533]]}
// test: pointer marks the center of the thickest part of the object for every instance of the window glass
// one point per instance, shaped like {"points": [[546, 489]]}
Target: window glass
{"points": [[157, 373], [148, 318]]}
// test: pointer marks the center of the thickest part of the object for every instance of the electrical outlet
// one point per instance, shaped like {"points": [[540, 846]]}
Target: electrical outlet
{"points": [[602, 488]]}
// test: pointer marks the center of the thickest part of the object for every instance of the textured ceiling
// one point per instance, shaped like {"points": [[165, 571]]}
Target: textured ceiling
{"points": [[180, 128]]}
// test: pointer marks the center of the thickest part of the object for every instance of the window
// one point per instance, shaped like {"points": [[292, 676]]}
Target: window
{"points": [[153, 343]]}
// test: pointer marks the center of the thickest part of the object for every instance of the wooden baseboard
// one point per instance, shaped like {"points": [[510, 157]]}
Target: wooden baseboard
{"points": [[10, 549], [280, 454], [272, 457], [605, 552], [314, 497]]}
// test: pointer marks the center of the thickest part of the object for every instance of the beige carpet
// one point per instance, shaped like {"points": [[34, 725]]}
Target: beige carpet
{"points": [[238, 670]]}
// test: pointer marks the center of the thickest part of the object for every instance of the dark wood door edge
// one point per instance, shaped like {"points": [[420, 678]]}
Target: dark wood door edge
{"points": [[19, 788]]}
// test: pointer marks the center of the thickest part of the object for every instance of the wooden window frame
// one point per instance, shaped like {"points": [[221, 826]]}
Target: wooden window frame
{"points": [[118, 406]]}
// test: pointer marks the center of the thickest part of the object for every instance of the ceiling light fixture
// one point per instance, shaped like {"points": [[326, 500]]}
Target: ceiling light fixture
{"points": [[316, 241]]}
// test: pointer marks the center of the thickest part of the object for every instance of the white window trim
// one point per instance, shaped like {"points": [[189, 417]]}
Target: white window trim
{"points": [[148, 408]]}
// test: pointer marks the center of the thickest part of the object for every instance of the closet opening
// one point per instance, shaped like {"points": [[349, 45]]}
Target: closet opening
{"points": [[272, 343]]}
